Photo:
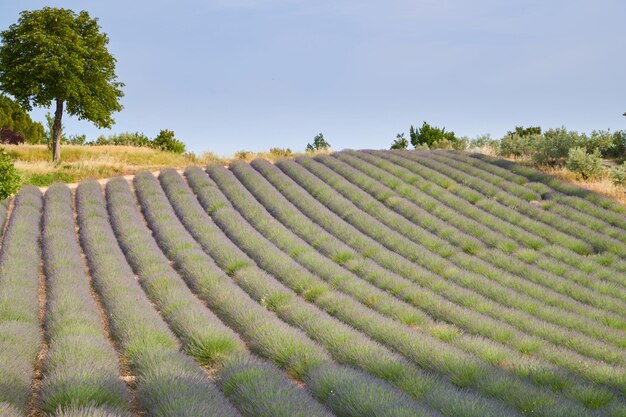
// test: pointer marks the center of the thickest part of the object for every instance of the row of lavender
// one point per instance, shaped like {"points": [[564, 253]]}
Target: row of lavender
{"points": [[341, 285], [609, 375], [458, 365], [235, 300], [459, 295], [380, 301], [20, 331], [440, 257]]}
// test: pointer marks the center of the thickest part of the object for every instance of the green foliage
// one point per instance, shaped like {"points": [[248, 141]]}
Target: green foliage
{"points": [[618, 145], [552, 147], [400, 142], [166, 141], [586, 165], [525, 131], [9, 177], [618, 176], [280, 152], [76, 140], [519, 146], [428, 135], [483, 142], [84, 81], [319, 143], [243, 155], [124, 139], [13, 117]]}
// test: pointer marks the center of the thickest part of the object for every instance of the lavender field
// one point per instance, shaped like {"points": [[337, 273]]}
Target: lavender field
{"points": [[360, 283]]}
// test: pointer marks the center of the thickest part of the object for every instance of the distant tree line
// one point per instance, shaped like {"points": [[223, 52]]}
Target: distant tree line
{"points": [[580, 153]]}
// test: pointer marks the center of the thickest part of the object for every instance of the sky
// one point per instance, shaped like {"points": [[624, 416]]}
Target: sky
{"points": [[229, 75]]}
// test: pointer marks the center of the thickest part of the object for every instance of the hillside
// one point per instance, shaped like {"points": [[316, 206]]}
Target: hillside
{"points": [[361, 283]]}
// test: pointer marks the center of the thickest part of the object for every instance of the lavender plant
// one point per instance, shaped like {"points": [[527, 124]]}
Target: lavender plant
{"points": [[169, 383], [254, 387], [296, 354], [348, 284], [81, 367], [20, 331], [392, 261]]}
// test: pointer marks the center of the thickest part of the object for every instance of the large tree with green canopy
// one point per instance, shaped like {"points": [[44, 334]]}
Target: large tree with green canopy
{"points": [[57, 56]]}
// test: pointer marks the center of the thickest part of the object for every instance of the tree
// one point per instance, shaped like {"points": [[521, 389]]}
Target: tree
{"points": [[166, 141], [429, 135], [400, 142], [319, 143], [14, 119], [57, 56], [525, 131]]}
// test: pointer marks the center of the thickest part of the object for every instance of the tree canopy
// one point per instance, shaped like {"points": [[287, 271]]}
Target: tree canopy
{"points": [[56, 56], [428, 135], [319, 143], [14, 119]]}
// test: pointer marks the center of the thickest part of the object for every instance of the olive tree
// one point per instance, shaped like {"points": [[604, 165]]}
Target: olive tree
{"points": [[56, 56]]}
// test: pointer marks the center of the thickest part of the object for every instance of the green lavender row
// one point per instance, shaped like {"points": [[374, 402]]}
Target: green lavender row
{"points": [[603, 240], [255, 388], [384, 303], [287, 347], [431, 302], [428, 352], [337, 337], [578, 210], [169, 383], [20, 332], [81, 367], [409, 270], [554, 273], [582, 195], [451, 269], [350, 169], [488, 280], [595, 242], [494, 214]]}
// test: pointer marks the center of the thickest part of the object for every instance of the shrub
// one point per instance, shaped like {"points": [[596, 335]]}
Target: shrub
{"points": [[525, 131], [482, 141], [9, 177], [460, 144], [428, 135], [280, 152], [599, 140], [586, 165], [319, 144], [618, 176], [618, 145], [518, 145], [166, 141], [124, 138], [10, 137], [555, 146], [400, 142], [243, 155], [75, 139]]}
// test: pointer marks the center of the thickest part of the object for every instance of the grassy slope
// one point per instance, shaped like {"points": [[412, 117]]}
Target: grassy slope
{"points": [[83, 162]]}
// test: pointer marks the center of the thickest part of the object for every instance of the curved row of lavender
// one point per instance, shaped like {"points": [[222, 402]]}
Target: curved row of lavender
{"points": [[361, 283]]}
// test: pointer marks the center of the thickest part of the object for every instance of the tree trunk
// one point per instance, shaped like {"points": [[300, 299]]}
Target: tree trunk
{"points": [[56, 132]]}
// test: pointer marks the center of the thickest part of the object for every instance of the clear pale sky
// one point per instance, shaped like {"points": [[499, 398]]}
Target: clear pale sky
{"points": [[228, 75]]}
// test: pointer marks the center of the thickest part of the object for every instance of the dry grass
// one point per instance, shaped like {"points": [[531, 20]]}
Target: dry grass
{"points": [[97, 162], [602, 186]]}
